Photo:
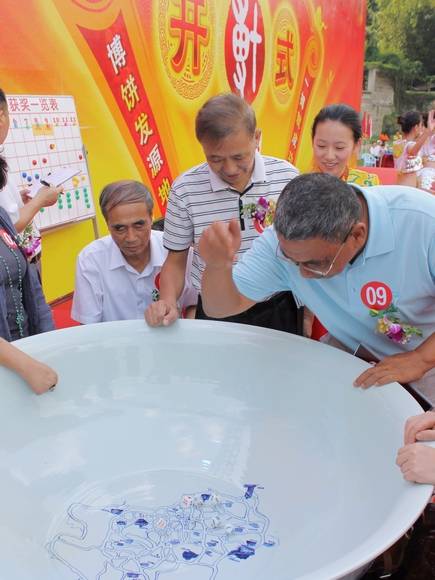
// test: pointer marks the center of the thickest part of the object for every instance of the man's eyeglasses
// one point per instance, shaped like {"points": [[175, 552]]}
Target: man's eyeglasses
{"points": [[321, 273]]}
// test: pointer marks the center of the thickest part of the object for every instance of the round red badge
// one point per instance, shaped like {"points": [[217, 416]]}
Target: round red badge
{"points": [[376, 295]]}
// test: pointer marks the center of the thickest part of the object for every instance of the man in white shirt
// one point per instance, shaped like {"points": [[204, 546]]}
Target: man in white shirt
{"points": [[117, 277]]}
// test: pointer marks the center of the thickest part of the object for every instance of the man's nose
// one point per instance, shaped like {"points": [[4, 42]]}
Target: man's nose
{"points": [[130, 235], [230, 167]]}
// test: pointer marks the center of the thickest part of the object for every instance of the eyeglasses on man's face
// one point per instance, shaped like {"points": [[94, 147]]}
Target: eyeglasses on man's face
{"points": [[323, 273]]}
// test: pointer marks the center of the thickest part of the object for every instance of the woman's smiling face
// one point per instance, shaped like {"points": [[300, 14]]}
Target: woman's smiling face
{"points": [[333, 147]]}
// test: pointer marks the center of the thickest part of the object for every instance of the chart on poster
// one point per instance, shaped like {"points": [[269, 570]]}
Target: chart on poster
{"points": [[44, 138]]}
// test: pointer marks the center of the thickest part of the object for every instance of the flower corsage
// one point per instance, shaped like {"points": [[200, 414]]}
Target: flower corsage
{"points": [[28, 241], [262, 212], [390, 324]]}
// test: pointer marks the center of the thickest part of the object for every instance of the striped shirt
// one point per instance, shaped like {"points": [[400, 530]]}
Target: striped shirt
{"points": [[199, 198]]}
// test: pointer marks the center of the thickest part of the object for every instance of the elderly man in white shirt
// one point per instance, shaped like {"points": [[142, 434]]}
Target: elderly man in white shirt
{"points": [[117, 277]]}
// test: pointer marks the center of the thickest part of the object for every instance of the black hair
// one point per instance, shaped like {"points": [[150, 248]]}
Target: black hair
{"points": [[425, 118], [158, 225], [223, 115], [316, 205], [409, 120], [344, 114], [122, 193], [3, 163]]}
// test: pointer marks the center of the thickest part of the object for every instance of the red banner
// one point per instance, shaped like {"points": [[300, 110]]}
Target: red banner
{"points": [[114, 54]]}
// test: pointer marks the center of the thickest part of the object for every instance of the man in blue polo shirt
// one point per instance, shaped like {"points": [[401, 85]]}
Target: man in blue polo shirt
{"points": [[362, 259]]}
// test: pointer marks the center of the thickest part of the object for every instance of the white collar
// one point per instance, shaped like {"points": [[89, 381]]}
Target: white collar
{"points": [[258, 175], [117, 259]]}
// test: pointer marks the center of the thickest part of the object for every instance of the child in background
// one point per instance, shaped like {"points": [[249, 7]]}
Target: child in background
{"points": [[407, 151], [426, 177]]}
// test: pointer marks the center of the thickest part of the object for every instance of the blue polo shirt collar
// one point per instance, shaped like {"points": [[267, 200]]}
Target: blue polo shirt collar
{"points": [[381, 234], [258, 176]]}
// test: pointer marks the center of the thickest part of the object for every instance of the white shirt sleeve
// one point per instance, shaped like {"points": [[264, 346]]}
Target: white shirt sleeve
{"points": [[189, 296], [10, 200], [87, 306]]}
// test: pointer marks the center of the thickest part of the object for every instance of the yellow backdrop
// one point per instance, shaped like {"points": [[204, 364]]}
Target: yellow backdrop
{"points": [[140, 69]]}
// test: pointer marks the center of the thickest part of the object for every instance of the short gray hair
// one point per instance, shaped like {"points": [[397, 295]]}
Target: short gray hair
{"points": [[125, 192], [316, 205], [223, 115]]}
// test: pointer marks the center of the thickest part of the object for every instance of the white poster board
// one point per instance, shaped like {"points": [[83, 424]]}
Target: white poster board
{"points": [[44, 136]]}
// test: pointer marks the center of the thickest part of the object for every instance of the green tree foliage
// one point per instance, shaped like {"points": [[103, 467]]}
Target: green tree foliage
{"points": [[400, 42], [407, 27], [372, 51]]}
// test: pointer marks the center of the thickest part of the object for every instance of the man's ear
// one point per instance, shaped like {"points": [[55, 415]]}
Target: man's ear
{"points": [[359, 233], [257, 136]]}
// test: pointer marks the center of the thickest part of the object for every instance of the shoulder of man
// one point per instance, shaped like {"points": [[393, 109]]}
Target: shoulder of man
{"points": [[275, 163], [97, 247], [197, 172], [157, 238], [402, 198]]}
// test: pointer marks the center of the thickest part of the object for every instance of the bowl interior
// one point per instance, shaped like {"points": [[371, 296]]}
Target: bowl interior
{"points": [[199, 451]]}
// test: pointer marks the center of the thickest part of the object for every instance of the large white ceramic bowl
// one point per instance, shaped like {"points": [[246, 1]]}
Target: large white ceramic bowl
{"points": [[198, 452]]}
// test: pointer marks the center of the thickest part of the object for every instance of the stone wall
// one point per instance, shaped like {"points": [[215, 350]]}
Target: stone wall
{"points": [[377, 98]]}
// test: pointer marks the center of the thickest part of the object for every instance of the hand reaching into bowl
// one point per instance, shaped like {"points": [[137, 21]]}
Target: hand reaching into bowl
{"points": [[40, 377], [417, 461]]}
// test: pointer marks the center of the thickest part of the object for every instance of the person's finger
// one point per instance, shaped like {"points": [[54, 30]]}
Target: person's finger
{"points": [[375, 376], [426, 435], [154, 313], [411, 428], [385, 379], [234, 228], [402, 456], [409, 475], [170, 316], [363, 377], [417, 424]]}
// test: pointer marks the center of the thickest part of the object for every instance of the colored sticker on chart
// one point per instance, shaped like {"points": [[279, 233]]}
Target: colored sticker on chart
{"points": [[376, 295], [8, 239]]}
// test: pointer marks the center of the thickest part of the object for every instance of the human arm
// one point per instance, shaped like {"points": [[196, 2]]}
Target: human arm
{"points": [[87, 306], [417, 463], [420, 428], [218, 247], [403, 367], [172, 277], [37, 375], [188, 299], [424, 136], [45, 197]]}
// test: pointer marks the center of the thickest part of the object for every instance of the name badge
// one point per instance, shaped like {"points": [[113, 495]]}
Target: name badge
{"points": [[376, 295]]}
